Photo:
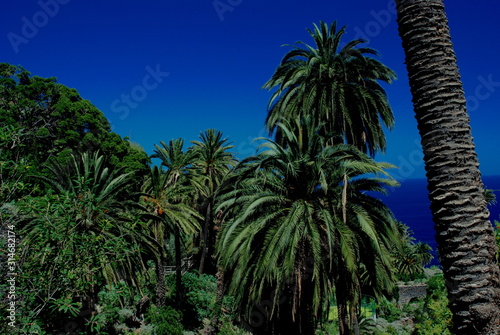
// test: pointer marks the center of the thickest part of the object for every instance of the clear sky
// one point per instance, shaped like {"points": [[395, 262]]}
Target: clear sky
{"points": [[162, 69]]}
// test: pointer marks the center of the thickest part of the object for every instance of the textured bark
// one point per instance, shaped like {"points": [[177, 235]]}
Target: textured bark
{"points": [[463, 231], [205, 238], [160, 285]]}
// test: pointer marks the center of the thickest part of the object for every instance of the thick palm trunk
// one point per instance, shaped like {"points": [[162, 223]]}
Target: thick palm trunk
{"points": [[206, 261], [160, 285], [464, 232]]}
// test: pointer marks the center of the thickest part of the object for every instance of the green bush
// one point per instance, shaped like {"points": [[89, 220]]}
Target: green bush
{"points": [[227, 327], [165, 320], [435, 316], [388, 310], [201, 292]]}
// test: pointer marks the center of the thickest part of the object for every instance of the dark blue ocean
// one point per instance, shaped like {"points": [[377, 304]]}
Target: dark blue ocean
{"points": [[410, 204]]}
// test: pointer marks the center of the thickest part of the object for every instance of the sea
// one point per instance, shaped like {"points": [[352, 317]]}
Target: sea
{"points": [[410, 204]]}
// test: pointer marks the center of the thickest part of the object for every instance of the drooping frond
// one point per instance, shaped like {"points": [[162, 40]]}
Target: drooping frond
{"points": [[298, 219]]}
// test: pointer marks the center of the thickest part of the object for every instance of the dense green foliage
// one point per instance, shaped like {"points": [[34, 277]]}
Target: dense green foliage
{"points": [[107, 244], [166, 321]]}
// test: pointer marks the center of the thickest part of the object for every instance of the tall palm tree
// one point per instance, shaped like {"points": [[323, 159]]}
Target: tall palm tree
{"points": [[464, 233], [170, 192], [338, 86], [213, 161], [297, 224], [170, 215]]}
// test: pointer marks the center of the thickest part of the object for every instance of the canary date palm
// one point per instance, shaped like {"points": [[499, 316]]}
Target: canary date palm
{"points": [[463, 231], [297, 225], [168, 197], [337, 86], [212, 163]]}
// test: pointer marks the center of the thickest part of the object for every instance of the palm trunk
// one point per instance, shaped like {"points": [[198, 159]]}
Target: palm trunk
{"points": [[179, 289], [342, 317], [160, 284], [464, 233], [205, 238], [354, 320], [220, 290]]}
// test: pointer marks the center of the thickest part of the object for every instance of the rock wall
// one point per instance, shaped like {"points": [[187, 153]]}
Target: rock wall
{"points": [[408, 292]]}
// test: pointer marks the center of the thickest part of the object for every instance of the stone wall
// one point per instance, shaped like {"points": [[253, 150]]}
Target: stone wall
{"points": [[408, 292]]}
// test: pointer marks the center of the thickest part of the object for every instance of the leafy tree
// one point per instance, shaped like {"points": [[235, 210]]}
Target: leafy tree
{"points": [[337, 86], [464, 233], [47, 119], [297, 224]]}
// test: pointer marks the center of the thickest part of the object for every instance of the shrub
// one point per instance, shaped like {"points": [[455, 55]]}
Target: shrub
{"points": [[435, 316], [165, 320], [201, 291]]}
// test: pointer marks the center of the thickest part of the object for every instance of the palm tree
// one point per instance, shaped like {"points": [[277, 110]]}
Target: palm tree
{"points": [[410, 258], [296, 225], [211, 165], [338, 86], [170, 215], [463, 231], [169, 195]]}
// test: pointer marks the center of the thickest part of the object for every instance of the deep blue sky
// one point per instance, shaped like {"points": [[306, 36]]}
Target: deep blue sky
{"points": [[213, 62]]}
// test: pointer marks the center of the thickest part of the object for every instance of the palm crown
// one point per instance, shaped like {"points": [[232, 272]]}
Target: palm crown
{"points": [[338, 86]]}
